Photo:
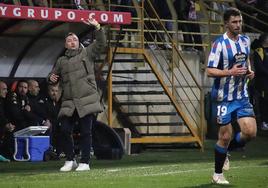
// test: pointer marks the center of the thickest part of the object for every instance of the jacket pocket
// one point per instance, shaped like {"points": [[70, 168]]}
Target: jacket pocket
{"points": [[91, 82]]}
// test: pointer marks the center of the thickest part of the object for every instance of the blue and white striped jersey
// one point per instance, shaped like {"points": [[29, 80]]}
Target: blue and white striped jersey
{"points": [[224, 54]]}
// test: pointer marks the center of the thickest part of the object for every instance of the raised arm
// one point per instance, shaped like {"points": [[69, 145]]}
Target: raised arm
{"points": [[99, 44]]}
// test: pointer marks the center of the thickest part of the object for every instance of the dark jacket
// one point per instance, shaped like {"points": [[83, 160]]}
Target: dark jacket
{"points": [[52, 110], [37, 104], [16, 112], [77, 78], [182, 9], [260, 58], [3, 119]]}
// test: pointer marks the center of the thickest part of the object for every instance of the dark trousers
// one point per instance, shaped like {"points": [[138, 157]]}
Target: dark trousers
{"points": [[192, 38], [7, 145], [85, 125], [264, 107]]}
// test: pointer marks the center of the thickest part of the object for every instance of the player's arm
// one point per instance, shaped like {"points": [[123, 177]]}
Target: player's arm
{"points": [[214, 72], [236, 70], [250, 73], [53, 76], [214, 62]]}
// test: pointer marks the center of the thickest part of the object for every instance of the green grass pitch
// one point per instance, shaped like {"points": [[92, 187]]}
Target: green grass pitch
{"points": [[155, 168]]}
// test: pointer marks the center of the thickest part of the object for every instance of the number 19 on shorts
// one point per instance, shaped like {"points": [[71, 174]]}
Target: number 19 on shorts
{"points": [[221, 110]]}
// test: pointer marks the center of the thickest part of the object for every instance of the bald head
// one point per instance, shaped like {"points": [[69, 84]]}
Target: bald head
{"points": [[33, 87]]}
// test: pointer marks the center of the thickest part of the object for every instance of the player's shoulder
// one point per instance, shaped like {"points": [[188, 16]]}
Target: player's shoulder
{"points": [[219, 39], [244, 37], [217, 44], [245, 40]]}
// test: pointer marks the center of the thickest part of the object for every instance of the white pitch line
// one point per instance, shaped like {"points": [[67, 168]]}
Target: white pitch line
{"points": [[149, 167], [200, 170], [176, 171]]}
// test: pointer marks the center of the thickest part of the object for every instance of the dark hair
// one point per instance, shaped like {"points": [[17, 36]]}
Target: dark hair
{"points": [[17, 83], [257, 43], [22, 81], [263, 38], [231, 12], [69, 34]]}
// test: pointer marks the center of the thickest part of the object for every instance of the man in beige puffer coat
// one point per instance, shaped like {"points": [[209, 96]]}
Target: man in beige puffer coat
{"points": [[80, 99]]}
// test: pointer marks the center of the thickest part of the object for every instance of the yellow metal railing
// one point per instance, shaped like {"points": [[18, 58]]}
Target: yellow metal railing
{"points": [[172, 85], [178, 81]]}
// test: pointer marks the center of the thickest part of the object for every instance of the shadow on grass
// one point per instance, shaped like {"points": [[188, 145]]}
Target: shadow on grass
{"points": [[28, 168], [265, 163], [209, 185]]}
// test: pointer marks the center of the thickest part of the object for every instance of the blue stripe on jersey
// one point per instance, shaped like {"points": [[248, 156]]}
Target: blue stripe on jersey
{"points": [[223, 55], [226, 87], [235, 92], [229, 52], [231, 63], [220, 65], [238, 48], [237, 79], [244, 82], [244, 38], [217, 81], [215, 46]]}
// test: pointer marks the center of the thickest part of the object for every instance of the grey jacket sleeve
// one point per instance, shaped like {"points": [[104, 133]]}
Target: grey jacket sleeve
{"points": [[98, 45], [55, 70]]}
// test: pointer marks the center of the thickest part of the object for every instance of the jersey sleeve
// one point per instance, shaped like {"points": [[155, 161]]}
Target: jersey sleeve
{"points": [[214, 56]]}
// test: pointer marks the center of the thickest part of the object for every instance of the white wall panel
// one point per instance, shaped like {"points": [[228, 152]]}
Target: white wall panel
{"points": [[10, 48], [40, 59]]}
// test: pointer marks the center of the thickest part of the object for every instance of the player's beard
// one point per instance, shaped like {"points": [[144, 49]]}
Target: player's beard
{"points": [[236, 32]]}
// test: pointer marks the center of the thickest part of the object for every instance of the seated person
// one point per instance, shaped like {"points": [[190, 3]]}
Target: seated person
{"points": [[37, 105], [6, 127], [52, 107], [21, 111]]}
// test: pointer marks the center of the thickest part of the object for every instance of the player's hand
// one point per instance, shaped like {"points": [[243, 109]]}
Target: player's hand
{"points": [[47, 123], [250, 74], [54, 78], [91, 21], [237, 70]]}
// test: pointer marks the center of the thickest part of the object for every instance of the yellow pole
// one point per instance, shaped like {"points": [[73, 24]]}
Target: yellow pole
{"points": [[110, 90]]}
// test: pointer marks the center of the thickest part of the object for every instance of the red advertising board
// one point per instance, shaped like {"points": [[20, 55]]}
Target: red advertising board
{"points": [[63, 15]]}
